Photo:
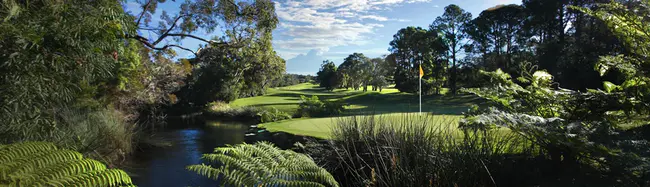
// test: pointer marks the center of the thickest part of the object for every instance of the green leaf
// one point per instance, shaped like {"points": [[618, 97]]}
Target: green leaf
{"points": [[610, 87]]}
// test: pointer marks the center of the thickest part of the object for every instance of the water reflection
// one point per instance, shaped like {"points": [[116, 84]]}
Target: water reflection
{"points": [[166, 166]]}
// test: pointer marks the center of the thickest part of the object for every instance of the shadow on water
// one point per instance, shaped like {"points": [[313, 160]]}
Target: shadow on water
{"points": [[165, 166]]}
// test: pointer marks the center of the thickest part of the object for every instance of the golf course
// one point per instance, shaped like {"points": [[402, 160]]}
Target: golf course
{"points": [[389, 102]]}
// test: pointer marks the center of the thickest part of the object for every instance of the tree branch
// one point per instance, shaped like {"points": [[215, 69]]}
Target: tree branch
{"points": [[144, 10], [168, 30]]}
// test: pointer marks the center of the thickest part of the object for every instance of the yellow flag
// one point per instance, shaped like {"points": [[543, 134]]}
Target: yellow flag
{"points": [[421, 72]]}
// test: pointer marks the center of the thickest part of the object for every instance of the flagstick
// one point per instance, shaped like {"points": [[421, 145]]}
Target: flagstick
{"points": [[420, 83]]}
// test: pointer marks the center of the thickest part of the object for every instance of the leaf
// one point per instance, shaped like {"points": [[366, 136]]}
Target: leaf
{"points": [[610, 87]]}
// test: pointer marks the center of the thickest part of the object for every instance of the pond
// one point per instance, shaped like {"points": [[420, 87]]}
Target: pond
{"points": [[165, 166]]}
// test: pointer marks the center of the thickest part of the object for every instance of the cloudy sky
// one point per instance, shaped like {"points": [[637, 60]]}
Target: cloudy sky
{"points": [[311, 31]]}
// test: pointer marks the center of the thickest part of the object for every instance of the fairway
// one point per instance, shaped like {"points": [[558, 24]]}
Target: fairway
{"points": [[389, 102]]}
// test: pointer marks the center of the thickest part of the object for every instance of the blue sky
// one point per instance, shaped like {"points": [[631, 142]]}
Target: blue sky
{"points": [[311, 31]]}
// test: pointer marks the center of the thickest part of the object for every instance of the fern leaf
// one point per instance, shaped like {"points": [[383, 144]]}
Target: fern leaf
{"points": [[262, 164], [58, 171], [42, 164], [19, 150]]}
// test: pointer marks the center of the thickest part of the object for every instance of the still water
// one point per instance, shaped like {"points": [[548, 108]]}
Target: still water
{"points": [[165, 166]]}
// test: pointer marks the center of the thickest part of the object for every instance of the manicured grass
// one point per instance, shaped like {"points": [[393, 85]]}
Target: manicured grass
{"points": [[390, 101]]}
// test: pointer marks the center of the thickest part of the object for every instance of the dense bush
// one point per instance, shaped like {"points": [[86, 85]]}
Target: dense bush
{"points": [[272, 115], [262, 164], [414, 150], [315, 107], [572, 128]]}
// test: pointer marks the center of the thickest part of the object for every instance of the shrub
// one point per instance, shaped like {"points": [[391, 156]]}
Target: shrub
{"points": [[43, 164], [272, 115], [315, 107], [262, 164]]}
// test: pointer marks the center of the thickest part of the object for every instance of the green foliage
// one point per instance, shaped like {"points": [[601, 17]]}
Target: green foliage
{"points": [[571, 127], [451, 26], [631, 27], [262, 164], [50, 51], [315, 107], [273, 115], [352, 72], [43, 164], [326, 76], [415, 46]]}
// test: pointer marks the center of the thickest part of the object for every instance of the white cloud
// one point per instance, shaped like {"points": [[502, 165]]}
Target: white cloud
{"points": [[323, 24], [436, 6], [374, 17]]}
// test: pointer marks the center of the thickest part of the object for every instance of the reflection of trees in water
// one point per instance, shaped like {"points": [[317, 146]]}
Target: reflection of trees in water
{"points": [[166, 166]]}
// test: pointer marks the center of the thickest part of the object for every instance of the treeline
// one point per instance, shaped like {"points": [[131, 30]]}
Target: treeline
{"points": [[292, 79], [82, 75], [537, 33], [357, 72]]}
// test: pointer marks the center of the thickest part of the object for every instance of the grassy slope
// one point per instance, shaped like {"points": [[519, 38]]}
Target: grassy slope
{"points": [[389, 101]]}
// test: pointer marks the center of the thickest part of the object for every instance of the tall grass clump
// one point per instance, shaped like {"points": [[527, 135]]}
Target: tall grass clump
{"points": [[414, 150]]}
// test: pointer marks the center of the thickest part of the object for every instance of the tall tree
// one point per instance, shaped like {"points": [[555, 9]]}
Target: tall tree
{"points": [[452, 25], [326, 76], [498, 35], [412, 47], [352, 70]]}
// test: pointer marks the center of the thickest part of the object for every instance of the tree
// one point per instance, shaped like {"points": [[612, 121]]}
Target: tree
{"points": [[414, 46], [498, 35], [53, 54], [242, 21], [380, 70], [326, 76], [452, 25], [352, 71]]}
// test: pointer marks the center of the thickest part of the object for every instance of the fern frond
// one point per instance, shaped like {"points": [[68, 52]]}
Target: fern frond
{"points": [[27, 165], [18, 150], [58, 171], [262, 164], [42, 164]]}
